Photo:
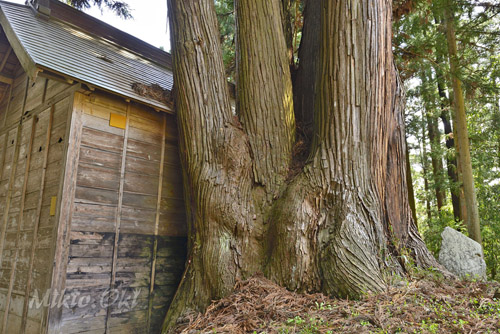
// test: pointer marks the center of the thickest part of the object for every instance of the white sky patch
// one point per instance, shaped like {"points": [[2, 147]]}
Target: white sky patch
{"points": [[149, 22], [494, 183]]}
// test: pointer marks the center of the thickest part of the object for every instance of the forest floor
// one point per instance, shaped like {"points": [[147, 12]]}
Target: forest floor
{"points": [[427, 303]]}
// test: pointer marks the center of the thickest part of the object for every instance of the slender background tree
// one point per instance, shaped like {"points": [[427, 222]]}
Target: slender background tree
{"points": [[422, 40]]}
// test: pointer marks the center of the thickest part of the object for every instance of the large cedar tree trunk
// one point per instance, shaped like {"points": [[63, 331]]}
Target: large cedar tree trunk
{"points": [[340, 222]]}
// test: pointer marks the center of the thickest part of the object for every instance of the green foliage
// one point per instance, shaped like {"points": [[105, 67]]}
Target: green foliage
{"points": [[306, 325], [420, 49], [431, 231], [225, 16], [485, 135]]}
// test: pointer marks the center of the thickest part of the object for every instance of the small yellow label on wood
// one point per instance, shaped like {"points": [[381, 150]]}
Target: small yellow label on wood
{"points": [[118, 121], [53, 204]]}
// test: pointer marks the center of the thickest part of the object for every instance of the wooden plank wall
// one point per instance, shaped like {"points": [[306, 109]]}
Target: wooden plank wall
{"points": [[32, 130], [128, 221]]}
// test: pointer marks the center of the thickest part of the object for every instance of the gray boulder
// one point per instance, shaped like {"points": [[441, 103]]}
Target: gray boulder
{"points": [[461, 255]]}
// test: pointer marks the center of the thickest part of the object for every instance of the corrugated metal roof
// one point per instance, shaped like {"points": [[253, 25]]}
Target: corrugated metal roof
{"points": [[69, 51]]}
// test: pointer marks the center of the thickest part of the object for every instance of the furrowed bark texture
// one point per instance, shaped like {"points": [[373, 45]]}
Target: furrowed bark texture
{"points": [[216, 161], [338, 225], [400, 226], [340, 218], [232, 171], [265, 97]]}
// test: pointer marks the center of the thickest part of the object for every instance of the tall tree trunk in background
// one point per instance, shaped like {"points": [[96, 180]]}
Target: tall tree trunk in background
{"points": [[446, 104], [451, 161], [288, 28], [425, 170], [496, 124], [337, 225], [411, 191], [460, 189], [436, 161], [472, 218], [305, 79], [428, 94]]}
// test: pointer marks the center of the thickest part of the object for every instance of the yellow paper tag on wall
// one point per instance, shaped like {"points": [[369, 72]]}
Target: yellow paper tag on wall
{"points": [[53, 204], [118, 121]]}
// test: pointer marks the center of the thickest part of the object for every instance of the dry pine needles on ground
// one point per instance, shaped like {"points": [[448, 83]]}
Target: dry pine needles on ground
{"points": [[421, 305]]}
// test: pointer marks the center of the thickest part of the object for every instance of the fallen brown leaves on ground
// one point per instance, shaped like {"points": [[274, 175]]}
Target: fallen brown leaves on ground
{"points": [[420, 305]]}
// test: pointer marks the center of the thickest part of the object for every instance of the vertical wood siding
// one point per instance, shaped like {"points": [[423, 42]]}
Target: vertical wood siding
{"points": [[126, 209], [32, 130], [127, 229]]}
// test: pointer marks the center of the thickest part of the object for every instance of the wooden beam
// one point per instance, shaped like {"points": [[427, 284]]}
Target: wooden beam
{"points": [[44, 96], [4, 154], [2, 168], [66, 197], [7, 110], [54, 99], [8, 197], [54, 76], [46, 73], [5, 58], [157, 223], [51, 76], [6, 80], [89, 86], [7, 92], [119, 211]]}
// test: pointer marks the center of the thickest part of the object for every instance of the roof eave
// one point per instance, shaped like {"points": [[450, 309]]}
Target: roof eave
{"points": [[158, 106], [21, 53], [32, 68]]}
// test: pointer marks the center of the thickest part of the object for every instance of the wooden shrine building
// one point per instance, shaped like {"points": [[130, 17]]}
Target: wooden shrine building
{"points": [[92, 219]]}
